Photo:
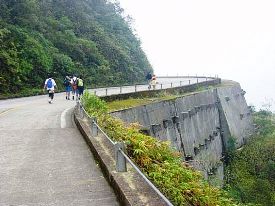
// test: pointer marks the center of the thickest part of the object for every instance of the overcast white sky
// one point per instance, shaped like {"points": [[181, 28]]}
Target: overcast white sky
{"points": [[232, 38]]}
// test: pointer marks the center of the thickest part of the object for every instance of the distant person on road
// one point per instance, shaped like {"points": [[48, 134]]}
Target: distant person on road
{"points": [[149, 78], [80, 86], [50, 86], [74, 86], [154, 81], [68, 88]]}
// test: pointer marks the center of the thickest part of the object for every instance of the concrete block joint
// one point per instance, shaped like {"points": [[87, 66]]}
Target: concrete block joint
{"points": [[243, 92], [175, 119], [196, 150], [227, 99], [184, 115], [197, 109], [156, 128], [167, 123]]}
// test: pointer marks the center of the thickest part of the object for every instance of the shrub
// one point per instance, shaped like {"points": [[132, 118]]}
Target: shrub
{"points": [[162, 165], [251, 172]]}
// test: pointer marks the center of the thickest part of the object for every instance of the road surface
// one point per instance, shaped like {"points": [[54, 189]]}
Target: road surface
{"points": [[44, 160]]}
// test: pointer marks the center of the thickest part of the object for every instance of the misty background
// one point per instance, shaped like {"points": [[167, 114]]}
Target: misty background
{"points": [[233, 39]]}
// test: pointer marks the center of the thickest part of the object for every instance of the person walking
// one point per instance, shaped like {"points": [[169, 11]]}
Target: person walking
{"points": [[68, 88], [74, 87], [154, 81], [149, 78], [80, 86], [50, 86]]}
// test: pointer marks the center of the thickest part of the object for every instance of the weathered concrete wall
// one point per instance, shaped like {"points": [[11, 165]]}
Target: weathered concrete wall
{"points": [[198, 125], [236, 116]]}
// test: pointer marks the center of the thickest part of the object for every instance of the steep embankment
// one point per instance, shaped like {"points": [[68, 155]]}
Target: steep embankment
{"points": [[251, 170], [200, 125], [161, 164], [249, 174], [87, 37]]}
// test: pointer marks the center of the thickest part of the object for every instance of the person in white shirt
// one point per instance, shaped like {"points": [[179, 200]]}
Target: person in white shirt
{"points": [[74, 87], [154, 81], [50, 86]]}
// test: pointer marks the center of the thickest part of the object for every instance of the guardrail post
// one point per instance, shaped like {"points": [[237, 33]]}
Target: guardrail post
{"points": [[135, 88], [120, 90], [171, 84], [94, 127], [160, 86], [78, 106], [189, 81], [180, 83], [197, 80], [120, 159], [81, 112], [106, 91], [95, 92]]}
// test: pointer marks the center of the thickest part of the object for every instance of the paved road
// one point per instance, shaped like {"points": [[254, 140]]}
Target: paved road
{"points": [[162, 83], [44, 159]]}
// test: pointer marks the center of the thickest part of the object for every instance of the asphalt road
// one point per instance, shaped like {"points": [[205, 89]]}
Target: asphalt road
{"points": [[43, 157]]}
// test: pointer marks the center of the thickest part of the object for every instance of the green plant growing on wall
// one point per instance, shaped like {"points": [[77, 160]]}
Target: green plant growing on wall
{"points": [[162, 165]]}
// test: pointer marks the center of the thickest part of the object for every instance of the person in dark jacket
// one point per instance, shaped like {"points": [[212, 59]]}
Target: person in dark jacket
{"points": [[68, 88]]}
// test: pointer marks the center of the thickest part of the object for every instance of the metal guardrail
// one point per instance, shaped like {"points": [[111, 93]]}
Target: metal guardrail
{"points": [[120, 156], [145, 87]]}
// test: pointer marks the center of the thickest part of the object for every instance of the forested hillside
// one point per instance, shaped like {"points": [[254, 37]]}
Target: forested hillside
{"points": [[88, 37], [251, 170]]}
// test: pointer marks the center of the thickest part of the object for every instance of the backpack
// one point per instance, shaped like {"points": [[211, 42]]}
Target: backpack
{"points": [[66, 82], [80, 83], [49, 84]]}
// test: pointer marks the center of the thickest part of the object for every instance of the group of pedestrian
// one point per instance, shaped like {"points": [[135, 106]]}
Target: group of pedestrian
{"points": [[73, 84], [152, 80]]}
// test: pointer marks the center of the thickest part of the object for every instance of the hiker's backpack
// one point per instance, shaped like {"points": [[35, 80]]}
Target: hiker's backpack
{"points": [[66, 82], [49, 83], [80, 83]]}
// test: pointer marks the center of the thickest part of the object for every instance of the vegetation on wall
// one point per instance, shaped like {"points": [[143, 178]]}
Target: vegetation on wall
{"points": [[251, 170], [88, 37], [162, 165]]}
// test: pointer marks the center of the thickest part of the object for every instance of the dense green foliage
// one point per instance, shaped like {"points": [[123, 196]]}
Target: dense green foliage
{"points": [[88, 37], [162, 165], [251, 172]]}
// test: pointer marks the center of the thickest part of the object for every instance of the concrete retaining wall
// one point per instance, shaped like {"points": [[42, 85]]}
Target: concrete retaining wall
{"points": [[198, 125], [235, 116]]}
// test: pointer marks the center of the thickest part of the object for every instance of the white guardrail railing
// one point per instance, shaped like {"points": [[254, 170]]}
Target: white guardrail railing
{"points": [[121, 158], [161, 83]]}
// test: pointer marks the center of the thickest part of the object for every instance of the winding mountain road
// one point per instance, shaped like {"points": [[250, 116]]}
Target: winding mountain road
{"points": [[44, 160]]}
